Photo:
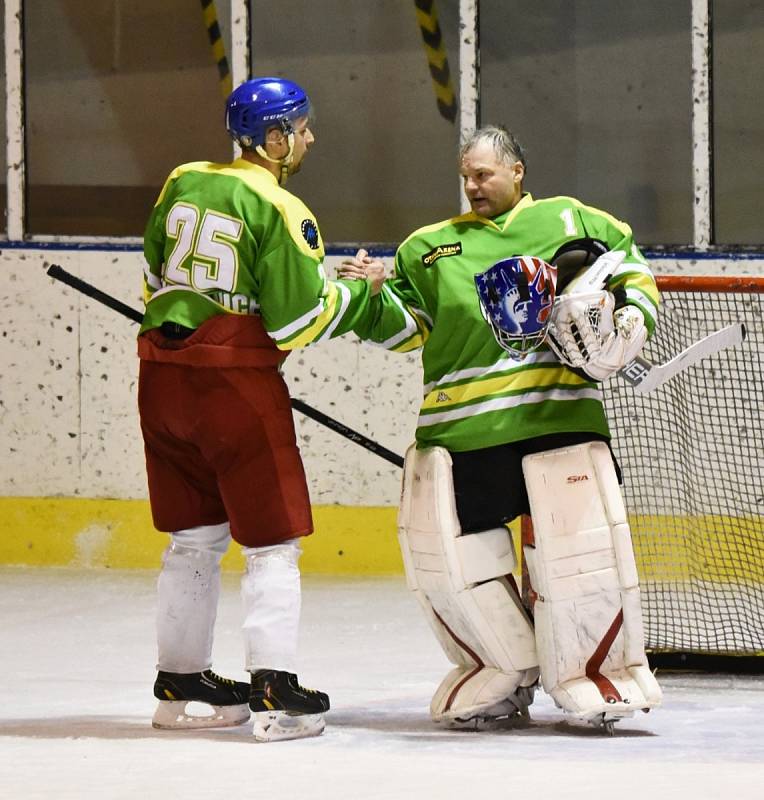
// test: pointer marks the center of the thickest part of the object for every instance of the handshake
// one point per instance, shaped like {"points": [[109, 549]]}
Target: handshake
{"points": [[363, 267]]}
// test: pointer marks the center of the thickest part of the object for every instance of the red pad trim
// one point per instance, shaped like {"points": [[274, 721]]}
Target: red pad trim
{"points": [[607, 690], [471, 653]]}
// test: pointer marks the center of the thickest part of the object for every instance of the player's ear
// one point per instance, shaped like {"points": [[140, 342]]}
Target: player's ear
{"points": [[273, 140], [518, 172]]}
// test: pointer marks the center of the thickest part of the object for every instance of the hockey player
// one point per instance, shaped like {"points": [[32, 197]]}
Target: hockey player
{"points": [[498, 425], [234, 281]]}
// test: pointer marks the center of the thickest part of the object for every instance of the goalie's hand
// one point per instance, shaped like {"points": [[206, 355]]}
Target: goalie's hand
{"points": [[621, 346], [587, 335]]}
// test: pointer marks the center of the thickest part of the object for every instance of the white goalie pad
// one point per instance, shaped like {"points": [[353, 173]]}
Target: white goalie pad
{"points": [[462, 583], [587, 612]]}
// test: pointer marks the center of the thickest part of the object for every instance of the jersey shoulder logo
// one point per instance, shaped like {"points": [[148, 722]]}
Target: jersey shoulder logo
{"points": [[441, 251], [310, 233], [442, 398]]}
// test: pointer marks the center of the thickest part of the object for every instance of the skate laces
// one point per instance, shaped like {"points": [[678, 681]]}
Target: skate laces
{"points": [[215, 677], [302, 688]]}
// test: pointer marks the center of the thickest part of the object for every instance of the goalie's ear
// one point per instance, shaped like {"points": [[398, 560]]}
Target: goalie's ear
{"points": [[573, 256]]}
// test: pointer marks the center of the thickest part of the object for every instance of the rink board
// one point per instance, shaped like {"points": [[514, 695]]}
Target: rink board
{"points": [[119, 534], [349, 540]]}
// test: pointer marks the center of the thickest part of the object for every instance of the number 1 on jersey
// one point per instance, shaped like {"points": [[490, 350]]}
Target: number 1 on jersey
{"points": [[569, 221]]}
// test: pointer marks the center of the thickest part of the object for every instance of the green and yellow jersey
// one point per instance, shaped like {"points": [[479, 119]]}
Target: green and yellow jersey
{"points": [[227, 239], [475, 394]]}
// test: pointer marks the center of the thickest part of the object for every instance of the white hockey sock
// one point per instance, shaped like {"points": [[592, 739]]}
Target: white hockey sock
{"points": [[188, 592], [270, 591]]}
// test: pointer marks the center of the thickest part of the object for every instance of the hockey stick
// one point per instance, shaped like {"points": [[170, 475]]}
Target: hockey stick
{"points": [[58, 273], [641, 374], [645, 377]]}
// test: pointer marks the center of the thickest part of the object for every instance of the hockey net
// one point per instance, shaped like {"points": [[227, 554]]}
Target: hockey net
{"points": [[692, 455]]}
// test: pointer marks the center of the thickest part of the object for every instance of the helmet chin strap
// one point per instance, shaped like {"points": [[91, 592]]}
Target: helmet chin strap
{"points": [[285, 162]]}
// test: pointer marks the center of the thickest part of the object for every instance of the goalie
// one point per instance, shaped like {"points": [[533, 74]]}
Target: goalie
{"points": [[508, 426]]}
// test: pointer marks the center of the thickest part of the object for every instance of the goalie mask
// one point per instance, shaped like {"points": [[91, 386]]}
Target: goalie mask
{"points": [[516, 297]]}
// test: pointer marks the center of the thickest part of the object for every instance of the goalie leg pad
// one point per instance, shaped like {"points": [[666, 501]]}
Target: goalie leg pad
{"points": [[587, 612], [464, 586], [477, 697]]}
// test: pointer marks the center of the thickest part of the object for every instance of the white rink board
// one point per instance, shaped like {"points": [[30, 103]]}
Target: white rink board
{"points": [[69, 424]]}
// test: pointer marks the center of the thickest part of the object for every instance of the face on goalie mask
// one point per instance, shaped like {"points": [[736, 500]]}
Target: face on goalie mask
{"points": [[491, 185], [516, 311]]}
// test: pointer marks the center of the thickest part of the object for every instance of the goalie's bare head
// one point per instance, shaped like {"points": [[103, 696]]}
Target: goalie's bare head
{"points": [[492, 166]]}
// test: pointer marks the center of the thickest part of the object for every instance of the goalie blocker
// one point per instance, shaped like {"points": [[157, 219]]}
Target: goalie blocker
{"points": [[587, 610]]}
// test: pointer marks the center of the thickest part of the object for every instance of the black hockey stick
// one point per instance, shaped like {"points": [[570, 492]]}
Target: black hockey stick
{"points": [[60, 274]]}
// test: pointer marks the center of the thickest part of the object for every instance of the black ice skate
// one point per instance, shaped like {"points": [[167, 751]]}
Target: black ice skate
{"points": [[226, 697], [283, 709]]}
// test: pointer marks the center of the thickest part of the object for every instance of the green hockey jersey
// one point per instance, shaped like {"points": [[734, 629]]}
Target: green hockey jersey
{"points": [[475, 394], [227, 239]]}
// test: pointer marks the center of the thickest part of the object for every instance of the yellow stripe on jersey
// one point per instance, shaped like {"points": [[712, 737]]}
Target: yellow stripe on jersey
{"points": [[436, 226], [313, 330], [417, 340], [291, 209], [534, 378], [618, 224]]}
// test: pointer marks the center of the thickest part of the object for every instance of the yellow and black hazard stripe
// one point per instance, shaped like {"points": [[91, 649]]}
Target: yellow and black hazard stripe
{"points": [[437, 59], [209, 12]]}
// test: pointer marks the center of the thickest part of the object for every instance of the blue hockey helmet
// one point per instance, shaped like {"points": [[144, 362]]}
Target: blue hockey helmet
{"points": [[263, 103], [516, 297]]}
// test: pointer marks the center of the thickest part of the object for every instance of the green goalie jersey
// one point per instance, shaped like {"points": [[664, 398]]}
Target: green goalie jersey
{"points": [[475, 394], [227, 239]]}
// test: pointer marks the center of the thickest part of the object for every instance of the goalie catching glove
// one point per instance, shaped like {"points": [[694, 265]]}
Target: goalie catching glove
{"points": [[587, 333]]}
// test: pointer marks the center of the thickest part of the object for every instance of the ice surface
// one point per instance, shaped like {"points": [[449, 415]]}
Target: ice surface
{"points": [[76, 704]]}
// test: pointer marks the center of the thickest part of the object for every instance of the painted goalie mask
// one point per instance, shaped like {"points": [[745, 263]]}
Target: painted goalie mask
{"points": [[516, 298]]}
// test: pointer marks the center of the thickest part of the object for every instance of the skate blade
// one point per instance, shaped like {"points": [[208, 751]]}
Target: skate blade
{"points": [[172, 715], [278, 726], [484, 723], [498, 716], [606, 722]]}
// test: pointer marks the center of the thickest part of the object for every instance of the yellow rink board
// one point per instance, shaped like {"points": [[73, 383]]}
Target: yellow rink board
{"points": [[119, 534], [716, 548], [349, 540], [78, 532]]}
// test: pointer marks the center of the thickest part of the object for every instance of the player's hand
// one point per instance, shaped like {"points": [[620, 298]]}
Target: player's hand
{"points": [[363, 267], [375, 275], [354, 268]]}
